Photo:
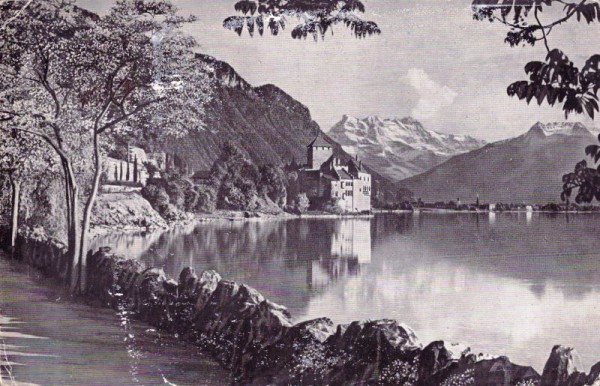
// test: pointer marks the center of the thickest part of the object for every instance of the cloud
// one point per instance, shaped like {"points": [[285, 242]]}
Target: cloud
{"points": [[432, 96]]}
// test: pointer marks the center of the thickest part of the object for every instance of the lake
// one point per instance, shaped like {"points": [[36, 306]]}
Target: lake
{"points": [[510, 284]]}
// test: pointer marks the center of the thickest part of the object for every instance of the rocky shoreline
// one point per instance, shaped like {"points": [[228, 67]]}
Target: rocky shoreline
{"points": [[258, 341]]}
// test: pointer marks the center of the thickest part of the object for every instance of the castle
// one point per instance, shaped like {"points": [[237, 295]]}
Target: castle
{"points": [[326, 178]]}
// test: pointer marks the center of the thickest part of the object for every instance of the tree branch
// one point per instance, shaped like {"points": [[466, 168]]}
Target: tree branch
{"points": [[125, 116], [537, 17]]}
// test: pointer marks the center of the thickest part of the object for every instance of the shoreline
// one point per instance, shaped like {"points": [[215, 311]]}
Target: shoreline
{"points": [[261, 343], [238, 216]]}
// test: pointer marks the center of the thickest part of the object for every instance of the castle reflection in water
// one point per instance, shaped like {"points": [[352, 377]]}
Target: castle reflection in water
{"points": [[350, 249], [314, 253]]}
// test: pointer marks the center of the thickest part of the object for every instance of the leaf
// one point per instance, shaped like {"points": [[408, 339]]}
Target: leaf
{"points": [[592, 150], [246, 6]]}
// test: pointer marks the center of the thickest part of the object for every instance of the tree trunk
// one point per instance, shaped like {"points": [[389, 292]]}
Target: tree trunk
{"points": [[87, 213], [73, 223], [16, 198]]}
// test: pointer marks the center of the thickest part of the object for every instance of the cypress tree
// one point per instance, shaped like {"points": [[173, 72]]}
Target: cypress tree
{"points": [[135, 169], [127, 177], [116, 173], [121, 174]]}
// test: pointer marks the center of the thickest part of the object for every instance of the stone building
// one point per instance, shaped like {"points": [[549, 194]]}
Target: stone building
{"points": [[326, 178]]}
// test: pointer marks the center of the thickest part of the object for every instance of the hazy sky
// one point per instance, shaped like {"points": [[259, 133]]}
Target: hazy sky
{"points": [[432, 62]]}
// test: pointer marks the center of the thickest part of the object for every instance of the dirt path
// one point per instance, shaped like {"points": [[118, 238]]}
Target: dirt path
{"points": [[47, 340]]}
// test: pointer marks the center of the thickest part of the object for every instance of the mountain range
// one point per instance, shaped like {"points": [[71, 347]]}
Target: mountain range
{"points": [[265, 122], [398, 148], [525, 169]]}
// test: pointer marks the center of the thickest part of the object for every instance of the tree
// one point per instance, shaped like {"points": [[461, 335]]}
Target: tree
{"points": [[138, 75], [273, 183], [405, 195], [21, 158], [314, 17], [236, 179], [556, 80], [301, 203], [151, 169], [135, 170]]}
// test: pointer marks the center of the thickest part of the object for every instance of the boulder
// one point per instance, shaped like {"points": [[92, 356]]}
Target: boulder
{"points": [[154, 297], [301, 356], [381, 351], [499, 371], [594, 376], [433, 359], [559, 367], [237, 319], [111, 278]]}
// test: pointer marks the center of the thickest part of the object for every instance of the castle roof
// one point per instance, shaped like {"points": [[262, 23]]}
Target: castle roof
{"points": [[344, 175], [319, 141]]}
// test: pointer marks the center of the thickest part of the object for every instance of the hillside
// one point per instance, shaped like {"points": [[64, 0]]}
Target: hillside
{"points": [[268, 124], [527, 168], [398, 148]]}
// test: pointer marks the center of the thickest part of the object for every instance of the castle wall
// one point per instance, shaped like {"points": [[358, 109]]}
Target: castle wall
{"points": [[318, 155]]}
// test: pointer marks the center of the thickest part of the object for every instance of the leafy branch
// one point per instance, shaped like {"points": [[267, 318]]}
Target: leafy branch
{"points": [[315, 17], [557, 79]]}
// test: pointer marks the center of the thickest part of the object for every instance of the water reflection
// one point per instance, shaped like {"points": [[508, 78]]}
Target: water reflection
{"points": [[514, 284], [350, 248]]}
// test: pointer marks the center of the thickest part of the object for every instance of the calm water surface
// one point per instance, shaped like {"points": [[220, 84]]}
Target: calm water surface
{"points": [[513, 284]]}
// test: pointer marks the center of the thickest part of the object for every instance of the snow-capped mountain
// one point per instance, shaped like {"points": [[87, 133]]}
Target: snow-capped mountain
{"points": [[525, 169], [398, 148], [560, 128]]}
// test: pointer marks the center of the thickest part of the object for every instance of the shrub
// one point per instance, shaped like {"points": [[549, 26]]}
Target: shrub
{"points": [[191, 199], [333, 206], [156, 196], [176, 193], [301, 203], [207, 201]]}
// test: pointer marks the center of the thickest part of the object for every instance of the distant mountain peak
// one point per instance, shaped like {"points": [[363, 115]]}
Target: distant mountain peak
{"points": [[398, 147], [542, 130]]}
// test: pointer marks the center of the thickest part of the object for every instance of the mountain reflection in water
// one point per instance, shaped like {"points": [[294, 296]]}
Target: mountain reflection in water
{"points": [[513, 284]]}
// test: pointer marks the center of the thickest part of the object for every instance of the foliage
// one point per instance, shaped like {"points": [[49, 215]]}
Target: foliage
{"points": [[584, 179], [273, 183], [151, 169], [157, 197], [333, 206], [314, 17], [405, 195], [236, 179], [301, 203], [207, 200], [77, 81], [557, 79]]}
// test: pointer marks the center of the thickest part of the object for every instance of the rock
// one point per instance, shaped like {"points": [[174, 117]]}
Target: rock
{"points": [[559, 367], [154, 297], [433, 359], [381, 351], [301, 356], [499, 371], [205, 287], [111, 278], [237, 319], [594, 377]]}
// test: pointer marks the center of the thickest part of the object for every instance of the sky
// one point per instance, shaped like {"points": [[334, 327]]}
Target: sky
{"points": [[432, 62]]}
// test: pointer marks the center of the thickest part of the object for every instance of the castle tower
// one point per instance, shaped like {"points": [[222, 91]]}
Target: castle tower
{"points": [[318, 152]]}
